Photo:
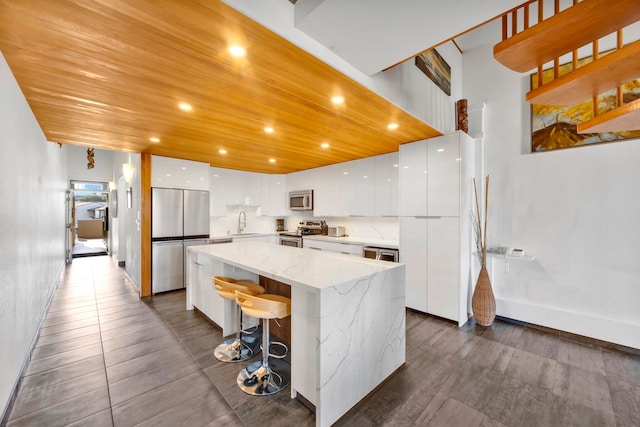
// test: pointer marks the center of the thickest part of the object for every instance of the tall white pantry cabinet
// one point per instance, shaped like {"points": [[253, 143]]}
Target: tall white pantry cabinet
{"points": [[436, 200]]}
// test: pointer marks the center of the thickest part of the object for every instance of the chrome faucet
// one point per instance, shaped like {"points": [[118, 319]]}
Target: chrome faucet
{"points": [[242, 223]]}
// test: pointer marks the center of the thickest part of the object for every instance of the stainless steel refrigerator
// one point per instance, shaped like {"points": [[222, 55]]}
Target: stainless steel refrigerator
{"points": [[179, 218]]}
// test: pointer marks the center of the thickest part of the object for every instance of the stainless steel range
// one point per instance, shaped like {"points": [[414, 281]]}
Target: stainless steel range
{"points": [[305, 228]]}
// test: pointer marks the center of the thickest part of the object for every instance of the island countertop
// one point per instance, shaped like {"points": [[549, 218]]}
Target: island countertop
{"points": [[295, 266]]}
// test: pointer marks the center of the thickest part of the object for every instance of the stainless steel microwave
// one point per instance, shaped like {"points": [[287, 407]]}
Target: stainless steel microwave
{"points": [[301, 200]]}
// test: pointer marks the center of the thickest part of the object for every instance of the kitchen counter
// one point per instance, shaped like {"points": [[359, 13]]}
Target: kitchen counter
{"points": [[347, 315], [392, 244]]}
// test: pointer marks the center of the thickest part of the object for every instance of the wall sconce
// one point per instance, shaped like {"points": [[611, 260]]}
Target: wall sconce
{"points": [[127, 172], [112, 185], [129, 197]]}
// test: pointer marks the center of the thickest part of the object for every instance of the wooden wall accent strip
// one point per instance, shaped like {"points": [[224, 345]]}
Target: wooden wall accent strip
{"points": [[145, 226], [283, 330]]}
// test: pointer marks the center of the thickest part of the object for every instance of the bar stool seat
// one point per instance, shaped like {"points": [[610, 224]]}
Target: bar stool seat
{"points": [[241, 348], [258, 378]]}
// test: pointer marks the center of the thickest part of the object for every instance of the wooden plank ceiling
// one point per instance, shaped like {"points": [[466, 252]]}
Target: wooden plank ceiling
{"points": [[110, 74]]}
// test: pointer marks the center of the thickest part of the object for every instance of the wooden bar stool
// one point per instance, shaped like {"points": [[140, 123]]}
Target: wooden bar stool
{"points": [[240, 348], [258, 378]]}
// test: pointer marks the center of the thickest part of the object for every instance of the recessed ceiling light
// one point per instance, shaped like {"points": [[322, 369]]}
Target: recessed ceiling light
{"points": [[324, 145], [222, 151], [236, 50], [268, 129], [337, 99], [185, 107], [272, 160], [154, 139], [392, 126]]}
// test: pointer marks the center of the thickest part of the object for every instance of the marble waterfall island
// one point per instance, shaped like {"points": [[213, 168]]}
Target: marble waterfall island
{"points": [[347, 315]]}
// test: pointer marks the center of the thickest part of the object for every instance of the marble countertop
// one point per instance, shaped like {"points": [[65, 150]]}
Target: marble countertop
{"points": [[392, 244], [294, 266]]}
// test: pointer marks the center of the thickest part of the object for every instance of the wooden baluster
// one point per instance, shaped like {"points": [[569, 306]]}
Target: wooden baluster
{"points": [[540, 11], [620, 44], [556, 7], [556, 67], [514, 22], [574, 60], [540, 75], [504, 27], [526, 16]]}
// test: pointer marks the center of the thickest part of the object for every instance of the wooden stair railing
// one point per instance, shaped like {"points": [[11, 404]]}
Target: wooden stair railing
{"points": [[561, 33], [564, 32]]}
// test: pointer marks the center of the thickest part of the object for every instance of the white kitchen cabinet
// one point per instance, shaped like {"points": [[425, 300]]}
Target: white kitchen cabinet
{"points": [[344, 248], [365, 187], [443, 186], [326, 194], [386, 189], [273, 194], [178, 173], [166, 172], [243, 188], [195, 175], [348, 188], [218, 192], [413, 253], [252, 195], [435, 230], [443, 278], [413, 179]]}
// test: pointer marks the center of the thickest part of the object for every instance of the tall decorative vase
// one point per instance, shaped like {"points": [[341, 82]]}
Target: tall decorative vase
{"points": [[483, 302]]}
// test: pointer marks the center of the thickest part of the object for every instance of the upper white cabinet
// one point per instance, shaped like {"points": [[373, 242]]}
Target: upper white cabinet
{"points": [[274, 195], [177, 173], [387, 185], [413, 179], [218, 192], [443, 165], [365, 187], [326, 193], [243, 188]]}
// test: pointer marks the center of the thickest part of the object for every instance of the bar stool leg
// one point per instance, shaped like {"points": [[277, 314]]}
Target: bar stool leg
{"points": [[258, 378], [236, 349]]}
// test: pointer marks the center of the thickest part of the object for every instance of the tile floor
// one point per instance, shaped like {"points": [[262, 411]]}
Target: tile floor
{"points": [[107, 358]]}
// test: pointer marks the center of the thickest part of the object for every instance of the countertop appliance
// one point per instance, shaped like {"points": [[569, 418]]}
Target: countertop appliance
{"points": [[383, 254], [301, 200], [179, 218], [337, 232]]}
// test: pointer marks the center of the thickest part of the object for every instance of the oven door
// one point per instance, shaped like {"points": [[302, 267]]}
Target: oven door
{"points": [[294, 242]]}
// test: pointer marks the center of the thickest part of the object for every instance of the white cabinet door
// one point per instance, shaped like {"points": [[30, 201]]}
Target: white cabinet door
{"points": [[235, 187], [326, 194], [365, 187], [252, 187], [218, 192], [413, 253], [195, 175], [413, 179], [166, 172], [443, 187], [386, 185], [277, 202], [443, 296], [348, 188]]}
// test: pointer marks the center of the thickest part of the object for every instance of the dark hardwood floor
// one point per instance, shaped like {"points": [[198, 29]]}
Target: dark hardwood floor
{"points": [[105, 357]]}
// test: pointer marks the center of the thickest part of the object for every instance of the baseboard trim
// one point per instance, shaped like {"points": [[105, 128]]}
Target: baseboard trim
{"points": [[25, 364], [603, 332]]}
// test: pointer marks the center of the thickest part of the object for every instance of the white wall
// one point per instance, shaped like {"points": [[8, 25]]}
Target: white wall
{"points": [[32, 218], [77, 164], [127, 246], [575, 210]]}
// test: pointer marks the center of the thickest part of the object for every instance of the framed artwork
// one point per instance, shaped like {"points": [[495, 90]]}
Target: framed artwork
{"points": [[436, 68], [554, 127]]}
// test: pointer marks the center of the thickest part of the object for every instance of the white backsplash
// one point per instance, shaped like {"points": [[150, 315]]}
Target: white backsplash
{"points": [[384, 228]]}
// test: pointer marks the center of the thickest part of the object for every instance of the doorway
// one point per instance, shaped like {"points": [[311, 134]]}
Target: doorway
{"points": [[88, 219]]}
